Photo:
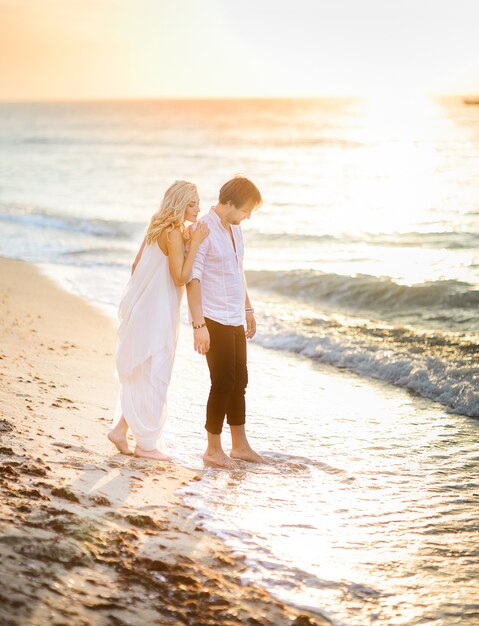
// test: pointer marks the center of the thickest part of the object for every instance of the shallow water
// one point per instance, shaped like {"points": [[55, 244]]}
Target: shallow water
{"points": [[363, 258], [367, 512]]}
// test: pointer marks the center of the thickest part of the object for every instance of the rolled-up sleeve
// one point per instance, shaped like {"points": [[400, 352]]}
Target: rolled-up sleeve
{"points": [[199, 262]]}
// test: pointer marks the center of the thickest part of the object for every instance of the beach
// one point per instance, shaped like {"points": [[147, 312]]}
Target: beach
{"points": [[89, 536], [362, 266]]}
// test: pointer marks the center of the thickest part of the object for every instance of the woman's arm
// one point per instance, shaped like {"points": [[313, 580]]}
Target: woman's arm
{"points": [[138, 257], [180, 267]]}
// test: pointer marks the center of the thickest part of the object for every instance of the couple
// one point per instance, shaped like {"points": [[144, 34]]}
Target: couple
{"points": [[207, 259]]}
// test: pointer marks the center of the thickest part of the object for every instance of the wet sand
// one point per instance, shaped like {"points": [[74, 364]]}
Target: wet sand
{"points": [[87, 535]]}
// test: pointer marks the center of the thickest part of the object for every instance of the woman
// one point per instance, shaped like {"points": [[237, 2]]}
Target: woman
{"points": [[149, 316]]}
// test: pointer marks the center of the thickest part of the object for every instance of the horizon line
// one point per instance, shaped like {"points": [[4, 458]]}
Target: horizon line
{"points": [[65, 100]]}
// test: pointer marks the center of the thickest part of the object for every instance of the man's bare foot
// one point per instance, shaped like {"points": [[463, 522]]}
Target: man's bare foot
{"points": [[120, 441], [247, 454], [218, 459], [151, 454]]}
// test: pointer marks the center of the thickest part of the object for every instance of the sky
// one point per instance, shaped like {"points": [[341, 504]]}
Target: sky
{"points": [[87, 49]]}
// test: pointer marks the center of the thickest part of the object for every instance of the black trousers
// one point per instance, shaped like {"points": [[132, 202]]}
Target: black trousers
{"points": [[229, 376]]}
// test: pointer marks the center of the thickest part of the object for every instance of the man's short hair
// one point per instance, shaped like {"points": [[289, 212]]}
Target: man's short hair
{"points": [[240, 190]]}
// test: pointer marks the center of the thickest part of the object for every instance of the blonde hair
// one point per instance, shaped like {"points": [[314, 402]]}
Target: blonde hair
{"points": [[172, 211]]}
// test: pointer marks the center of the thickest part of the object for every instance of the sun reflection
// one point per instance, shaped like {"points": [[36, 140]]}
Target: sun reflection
{"points": [[410, 114], [386, 183], [396, 173]]}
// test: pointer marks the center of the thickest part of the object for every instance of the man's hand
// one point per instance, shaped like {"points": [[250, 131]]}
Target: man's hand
{"points": [[250, 326], [201, 340]]}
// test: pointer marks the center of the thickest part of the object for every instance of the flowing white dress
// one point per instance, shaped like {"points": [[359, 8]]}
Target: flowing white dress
{"points": [[149, 315]]}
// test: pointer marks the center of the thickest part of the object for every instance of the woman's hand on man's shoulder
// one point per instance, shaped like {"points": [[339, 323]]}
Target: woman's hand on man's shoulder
{"points": [[200, 233]]}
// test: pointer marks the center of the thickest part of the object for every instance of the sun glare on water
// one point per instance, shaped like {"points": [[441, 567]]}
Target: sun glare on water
{"points": [[397, 184]]}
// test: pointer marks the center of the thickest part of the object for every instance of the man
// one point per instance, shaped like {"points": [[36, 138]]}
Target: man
{"points": [[219, 308]]}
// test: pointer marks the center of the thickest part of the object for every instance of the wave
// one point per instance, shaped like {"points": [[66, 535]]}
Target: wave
{"points": [[116, 257], [111, 229], [116, 228], [363, 292], [457, 240], [441, 368]]}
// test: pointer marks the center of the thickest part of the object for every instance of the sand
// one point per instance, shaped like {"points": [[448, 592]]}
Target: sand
{"points": [[87, 535]]}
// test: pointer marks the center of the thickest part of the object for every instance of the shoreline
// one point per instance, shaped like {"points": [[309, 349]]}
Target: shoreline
{"points": [[90, 536]]}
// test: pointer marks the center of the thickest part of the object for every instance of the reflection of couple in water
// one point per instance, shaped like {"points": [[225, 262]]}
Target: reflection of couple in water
{"points": [[207, 259]]}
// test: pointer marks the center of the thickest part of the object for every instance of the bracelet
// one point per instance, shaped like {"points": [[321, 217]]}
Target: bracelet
{"points": [[249, 310], [198, 325]]}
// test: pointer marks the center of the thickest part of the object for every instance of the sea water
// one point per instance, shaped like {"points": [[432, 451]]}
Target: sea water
{"points": [[363, 268]]}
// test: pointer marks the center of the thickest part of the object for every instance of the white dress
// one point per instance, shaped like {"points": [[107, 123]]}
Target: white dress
{"points": [[149, 315]]}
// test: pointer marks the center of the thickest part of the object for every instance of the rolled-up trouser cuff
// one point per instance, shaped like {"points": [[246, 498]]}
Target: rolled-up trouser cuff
{"points": [[212, 430]]}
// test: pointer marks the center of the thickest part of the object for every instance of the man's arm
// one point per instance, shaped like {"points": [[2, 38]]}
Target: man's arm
{"points": [[201, 336], [249, 312]]}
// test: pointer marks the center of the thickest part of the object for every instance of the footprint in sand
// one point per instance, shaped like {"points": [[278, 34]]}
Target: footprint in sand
{"points": [[66, 345], [5, 425], [65, 494], [62, 444], [100, 500], [71, 446], [145, 521], [61, 401]]}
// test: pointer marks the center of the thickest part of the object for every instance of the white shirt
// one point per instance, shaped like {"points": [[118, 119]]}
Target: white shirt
{"points": [[219, 268]]}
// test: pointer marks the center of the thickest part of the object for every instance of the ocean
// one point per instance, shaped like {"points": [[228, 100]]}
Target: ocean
{"points": [[363, 267]]}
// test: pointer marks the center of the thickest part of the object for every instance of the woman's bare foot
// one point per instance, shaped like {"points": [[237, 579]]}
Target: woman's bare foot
{"points": [[247, 454], [119, 440], [151, 454], [218, 458]]}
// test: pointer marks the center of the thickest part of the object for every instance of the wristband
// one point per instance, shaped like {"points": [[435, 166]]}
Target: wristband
{"points": [[198, 325]]}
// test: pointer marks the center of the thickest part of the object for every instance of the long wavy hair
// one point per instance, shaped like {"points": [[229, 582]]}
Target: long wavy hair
{"points": [[172, 211]]}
